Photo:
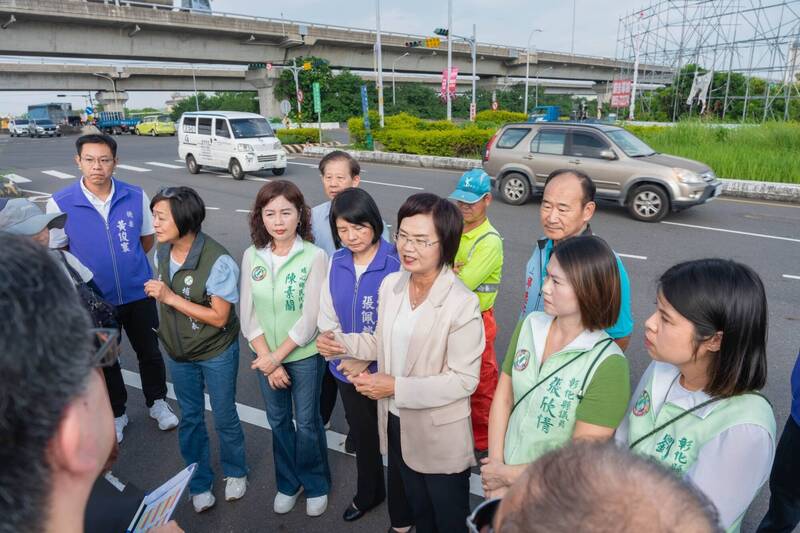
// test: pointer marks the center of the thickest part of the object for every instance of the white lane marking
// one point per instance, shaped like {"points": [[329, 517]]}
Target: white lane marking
{"points": [[135, 169], [256, 178], [732, 231], [208, 207], [303, 164], [179, 161], [242, 210], [258, 417], [789, 276], [393, 185], [163, 165], [16, 178], [59, 175], [631, 256]]}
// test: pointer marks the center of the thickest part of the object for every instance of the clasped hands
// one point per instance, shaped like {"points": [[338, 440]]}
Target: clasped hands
{"points": [[374, 386], [276, 374]]}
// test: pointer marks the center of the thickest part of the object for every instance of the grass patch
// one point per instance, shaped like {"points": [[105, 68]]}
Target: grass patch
{"points": [[764, 152]]}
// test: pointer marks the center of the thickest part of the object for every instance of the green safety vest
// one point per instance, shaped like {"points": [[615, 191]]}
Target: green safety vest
{"points": [[278, 300], [679, 443], [546, 397], [486, 289], [185, 338]]}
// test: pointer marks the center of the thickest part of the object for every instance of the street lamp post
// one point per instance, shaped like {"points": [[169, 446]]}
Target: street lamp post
{"points": [[528, 66], [113, 88], [536, 94], [380, 59], [393, 76], [449, 58]]}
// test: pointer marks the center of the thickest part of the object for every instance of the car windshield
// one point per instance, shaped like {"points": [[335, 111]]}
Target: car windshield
{"points": [[164, 118], [20, 122], [244, 128], [632, 145], [44, 123]]}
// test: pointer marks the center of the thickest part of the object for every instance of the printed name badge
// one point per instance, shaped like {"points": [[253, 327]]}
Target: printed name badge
{"points": [[642, 406], [521, 359], [259, 273]]}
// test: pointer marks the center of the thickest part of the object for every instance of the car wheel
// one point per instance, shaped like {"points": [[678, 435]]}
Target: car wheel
{"points": [[279, 171], [11, 133], [153, 133], [235, 168], [648, 203], [136, 131], [192, 165], [515, 189]]}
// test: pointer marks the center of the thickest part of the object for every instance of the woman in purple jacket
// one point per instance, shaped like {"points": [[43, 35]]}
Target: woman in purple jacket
{"points": [[349, 303]]}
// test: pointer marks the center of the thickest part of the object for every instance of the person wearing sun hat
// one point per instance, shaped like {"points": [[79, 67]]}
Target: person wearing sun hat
{"points": [[479, 264], [20, 216]]}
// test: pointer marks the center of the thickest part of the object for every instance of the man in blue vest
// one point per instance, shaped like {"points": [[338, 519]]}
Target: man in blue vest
{"points": [[109, 229], [566, 209]]}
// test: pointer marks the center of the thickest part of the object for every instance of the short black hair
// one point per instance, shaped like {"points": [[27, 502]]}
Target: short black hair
{"points": [[339, 155], [589, 189], [45, 363], [447, 220], [357, 207], [96, 138], [187, 208], [723, 295]]}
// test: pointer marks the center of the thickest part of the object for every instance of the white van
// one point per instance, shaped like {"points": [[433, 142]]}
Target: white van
{"points": [[238, 142]]}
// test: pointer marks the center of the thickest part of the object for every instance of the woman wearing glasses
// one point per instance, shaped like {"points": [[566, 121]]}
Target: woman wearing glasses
{"points": [[563, 377], [196, 288], [282, 277], [357, 270], [428, 343]]}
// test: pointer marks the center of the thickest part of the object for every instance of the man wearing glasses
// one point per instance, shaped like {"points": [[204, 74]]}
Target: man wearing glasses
{"points": [[109, 229]]}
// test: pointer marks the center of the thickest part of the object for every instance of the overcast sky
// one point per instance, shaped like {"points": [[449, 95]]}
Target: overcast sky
{"points": [[507, 22]]}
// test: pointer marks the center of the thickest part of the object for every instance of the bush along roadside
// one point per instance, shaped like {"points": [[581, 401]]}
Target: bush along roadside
{"points": [[298, 135]]}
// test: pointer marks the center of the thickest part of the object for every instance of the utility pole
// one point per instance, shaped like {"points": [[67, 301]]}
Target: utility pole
{"points": [[449, 58], [474, 43], [194, 82], [380, 59], [394, 63], [295, 69], [528, 67]]}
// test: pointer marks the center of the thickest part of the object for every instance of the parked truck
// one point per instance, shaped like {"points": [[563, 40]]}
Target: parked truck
{"points": [[114, 122]]}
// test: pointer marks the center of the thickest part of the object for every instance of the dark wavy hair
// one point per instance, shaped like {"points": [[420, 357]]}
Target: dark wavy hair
{"points": [[723, 295], [258, 232]]}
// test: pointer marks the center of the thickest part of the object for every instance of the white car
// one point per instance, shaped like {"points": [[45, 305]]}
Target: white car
{"points": [[18, 127], [235, 141]]}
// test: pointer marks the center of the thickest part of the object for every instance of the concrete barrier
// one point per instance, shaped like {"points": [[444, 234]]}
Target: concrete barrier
{"points": [[756, 190]]}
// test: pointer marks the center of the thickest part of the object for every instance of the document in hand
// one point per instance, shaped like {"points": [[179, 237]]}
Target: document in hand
{"points": [[157, 507]]}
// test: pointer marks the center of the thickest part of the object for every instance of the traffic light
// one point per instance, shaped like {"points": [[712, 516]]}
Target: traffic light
{"points": [[256, 66], [307, 65], [414, 44], [444, 32], [433, 42]]}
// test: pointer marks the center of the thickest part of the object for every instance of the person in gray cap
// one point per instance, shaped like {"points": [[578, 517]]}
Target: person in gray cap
{"points": [[20, 216]]}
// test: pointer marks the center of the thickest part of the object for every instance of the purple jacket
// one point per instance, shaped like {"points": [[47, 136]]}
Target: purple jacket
{"points": [[356, 301]]}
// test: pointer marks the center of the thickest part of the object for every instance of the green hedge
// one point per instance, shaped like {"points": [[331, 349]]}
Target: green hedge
{"points": [[298, 135], [500, 117]]}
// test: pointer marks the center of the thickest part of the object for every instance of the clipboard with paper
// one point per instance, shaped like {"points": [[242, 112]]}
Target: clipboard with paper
{"points": [[157, 507]]}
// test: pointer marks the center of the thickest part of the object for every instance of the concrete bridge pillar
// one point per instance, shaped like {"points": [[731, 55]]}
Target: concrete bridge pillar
{"points": [[112, 101], [264, 81]]}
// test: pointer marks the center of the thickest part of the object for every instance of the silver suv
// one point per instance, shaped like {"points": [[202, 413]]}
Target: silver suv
{"points": [[18, 127], [42, 128], [519, 157]]}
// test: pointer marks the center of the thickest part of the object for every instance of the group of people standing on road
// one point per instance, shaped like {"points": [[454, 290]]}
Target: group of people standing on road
{"points": [[401, 326]]}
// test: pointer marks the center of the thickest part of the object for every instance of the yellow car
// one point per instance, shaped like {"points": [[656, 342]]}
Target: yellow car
{"points": [[155, 125]]}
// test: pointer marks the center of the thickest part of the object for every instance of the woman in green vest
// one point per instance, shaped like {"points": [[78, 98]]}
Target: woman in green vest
{"points": [[696, 408], [282, 277], [196, 288], [563, 377]]}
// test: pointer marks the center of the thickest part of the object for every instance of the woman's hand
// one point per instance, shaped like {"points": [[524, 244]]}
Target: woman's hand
{"points": [[265, 363], [374, 386], [493, 477], [352, 367], [327, 346], [159, 291], [279, 379]]}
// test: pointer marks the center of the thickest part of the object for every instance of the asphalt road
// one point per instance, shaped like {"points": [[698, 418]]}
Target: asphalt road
{"points": [[761, 234]]}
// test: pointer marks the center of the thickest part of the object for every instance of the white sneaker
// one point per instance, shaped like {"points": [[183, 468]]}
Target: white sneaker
{"points": [[235, 487], [162, 412], [119, 424], [204, 500], [283, 503], [316, 506]]}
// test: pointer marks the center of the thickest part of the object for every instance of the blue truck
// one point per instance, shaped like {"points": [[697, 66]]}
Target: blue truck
{"points": [[545, 113], [115, 123]]}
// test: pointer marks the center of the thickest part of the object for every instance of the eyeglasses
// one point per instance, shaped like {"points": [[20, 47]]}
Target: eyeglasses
{"points": [[480, 521], [420, 244], [107, 350], [105, 161]]}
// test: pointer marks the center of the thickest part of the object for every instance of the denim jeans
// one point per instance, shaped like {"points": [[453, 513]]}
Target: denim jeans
{"points": [[301, 453], [783, 514], [218, 376]]}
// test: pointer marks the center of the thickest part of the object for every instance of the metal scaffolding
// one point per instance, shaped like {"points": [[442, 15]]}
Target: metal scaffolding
{"points": [[751, 47]]}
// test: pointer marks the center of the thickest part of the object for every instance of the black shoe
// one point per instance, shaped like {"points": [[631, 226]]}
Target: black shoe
{"points": [[349, 445], [351, 514]]}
